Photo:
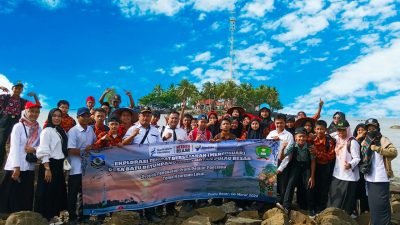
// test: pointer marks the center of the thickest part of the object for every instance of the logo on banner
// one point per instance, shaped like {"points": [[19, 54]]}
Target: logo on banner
{"points": [[97, 161], [263, 152], [161, 150], [182, 148], [205, 147]]}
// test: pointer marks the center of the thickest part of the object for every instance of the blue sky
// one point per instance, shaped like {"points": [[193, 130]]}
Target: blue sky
{"points": [[345, 52]]}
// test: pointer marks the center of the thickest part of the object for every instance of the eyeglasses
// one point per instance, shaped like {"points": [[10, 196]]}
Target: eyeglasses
{"points": [[336, 117]]}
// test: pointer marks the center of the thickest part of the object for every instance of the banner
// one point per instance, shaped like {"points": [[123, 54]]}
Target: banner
{"points": [[140, 176]]}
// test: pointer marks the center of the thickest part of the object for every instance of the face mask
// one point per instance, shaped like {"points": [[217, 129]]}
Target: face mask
{"points": [[373, 133]]}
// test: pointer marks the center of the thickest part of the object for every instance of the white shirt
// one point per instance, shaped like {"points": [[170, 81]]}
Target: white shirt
{"points": [[16, 157], [181, 134], [378, 171], [353, 158], [50, 145], [284, 136], [152, 137], [79, 138]]}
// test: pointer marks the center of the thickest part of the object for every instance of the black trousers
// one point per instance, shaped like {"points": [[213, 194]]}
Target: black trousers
{"points": [[342, 194], [6, 125], [298, 171], [51, 198], [17, 196], [323, 178], [281, 182], [361, 194], [74, 188], [379, 202]]}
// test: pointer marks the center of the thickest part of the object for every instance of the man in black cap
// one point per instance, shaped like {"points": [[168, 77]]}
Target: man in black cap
{"points": [[377, 152], [11, 106], [115, 100], [303, 168]]}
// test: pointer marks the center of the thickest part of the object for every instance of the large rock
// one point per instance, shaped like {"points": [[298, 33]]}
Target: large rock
{"points": [[272, 212], [277, 219], [395, 127], [363, 219], [213, 212], [125, 218], [249, 214], [242, 221], [299, 218], [229, 207], [2, 222], [331, 215], [395, 197], [395, 207], [26, 218], [197, 220]]}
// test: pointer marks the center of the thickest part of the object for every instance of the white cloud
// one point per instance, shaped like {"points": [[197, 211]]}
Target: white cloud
{"points": [[43, 100], [51, 4], [313, 41], [361, 16], [160, 70], [131, 8], [202, 16], [257, 8], [307, 6], [93, 84], [257, 57], [203, 57], [216, 25], [178, 69], [247, 26], [307, 20], [214, 5], [218, 45], [179, 45], [373, 79], [197, 72], [126, 68], [5, 82]]}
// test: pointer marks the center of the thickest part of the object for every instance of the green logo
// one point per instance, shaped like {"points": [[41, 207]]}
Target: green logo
{"points": [[263, 152]]}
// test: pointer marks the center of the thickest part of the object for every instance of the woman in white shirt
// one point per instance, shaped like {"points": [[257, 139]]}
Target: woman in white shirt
{"points": [[51, 192], [345, 174], [16, 189]]}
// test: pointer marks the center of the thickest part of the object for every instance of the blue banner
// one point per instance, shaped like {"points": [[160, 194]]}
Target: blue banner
{"points": [[140, 176]]}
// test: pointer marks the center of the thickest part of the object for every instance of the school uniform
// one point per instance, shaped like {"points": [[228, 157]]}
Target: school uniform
{"points": [[152, 137], [50, 198], [77, 138], [282, 178], [178, 134], [18, 195], [344, 182], [300, 169]]}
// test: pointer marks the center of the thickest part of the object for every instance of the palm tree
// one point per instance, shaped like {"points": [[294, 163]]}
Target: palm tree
{"points": [[158, 90], [186, 90]]}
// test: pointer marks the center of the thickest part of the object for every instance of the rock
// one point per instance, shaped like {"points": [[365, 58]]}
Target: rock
{"points": [[272, 212], [299, 218], [2, 222], [249, 214], [186, 214], [213, 212], [229, 207], [326, 217], [331, 220], [242, 221], [395, 127], [395, 197], [363, 219], [26, 218], [125, 218], [395, 207], [396, 219], [197, 220], [277, 219]]}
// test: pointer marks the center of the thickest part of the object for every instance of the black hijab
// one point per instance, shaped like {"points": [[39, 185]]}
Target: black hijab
{"points": [[254, 134], [59, 129], [265, 122], [238, 131], [355, 131], [332, 126]]}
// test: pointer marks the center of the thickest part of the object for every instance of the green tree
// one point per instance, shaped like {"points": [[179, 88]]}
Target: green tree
{"points": [[186, 90]]}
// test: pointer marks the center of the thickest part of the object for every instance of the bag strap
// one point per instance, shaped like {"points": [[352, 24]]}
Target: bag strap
{"points": [[349, 144], [26, 133], [162, 130], [145, 135]]}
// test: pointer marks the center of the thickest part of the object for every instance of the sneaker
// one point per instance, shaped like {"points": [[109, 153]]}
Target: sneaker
{"points": [[311, 213], [353, 216]]}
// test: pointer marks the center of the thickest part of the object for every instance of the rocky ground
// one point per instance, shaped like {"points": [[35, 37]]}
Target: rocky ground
{"points": [[227, 214]]}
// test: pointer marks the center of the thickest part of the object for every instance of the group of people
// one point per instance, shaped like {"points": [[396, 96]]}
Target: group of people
{"points": [[327, 165]]}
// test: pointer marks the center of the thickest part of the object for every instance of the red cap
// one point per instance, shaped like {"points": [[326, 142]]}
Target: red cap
{"points": [[29, 105], [90, 98]]}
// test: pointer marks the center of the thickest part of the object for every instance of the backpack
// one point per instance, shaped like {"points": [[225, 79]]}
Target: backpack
{"points": [[349, 144]]}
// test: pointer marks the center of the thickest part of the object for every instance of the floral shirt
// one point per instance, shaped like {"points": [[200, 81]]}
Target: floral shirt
{"points": [[13, 107], [114, 140], [323, 154]]}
